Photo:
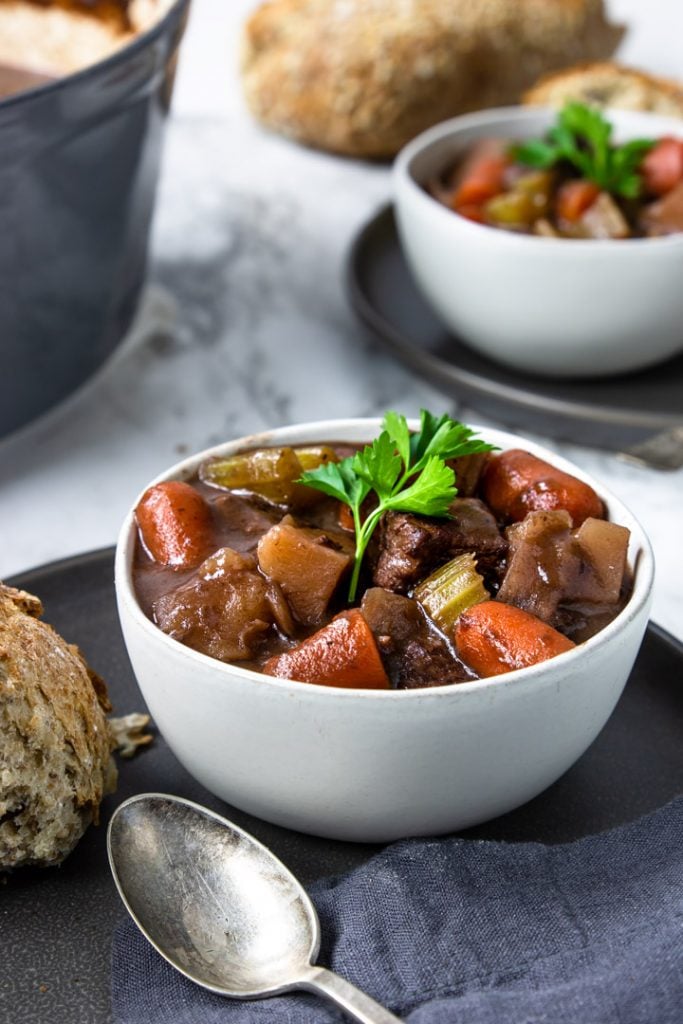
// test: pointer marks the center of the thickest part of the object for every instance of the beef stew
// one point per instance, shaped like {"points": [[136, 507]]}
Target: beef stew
{"points": [[267, 558]]}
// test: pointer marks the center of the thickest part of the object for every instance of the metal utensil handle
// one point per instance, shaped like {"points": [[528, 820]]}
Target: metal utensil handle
{"points": [[349, 998]]}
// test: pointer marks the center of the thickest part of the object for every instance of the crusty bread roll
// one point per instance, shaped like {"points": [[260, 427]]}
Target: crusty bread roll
{"points": [[362, 77], [55, 743], [609, 84]]}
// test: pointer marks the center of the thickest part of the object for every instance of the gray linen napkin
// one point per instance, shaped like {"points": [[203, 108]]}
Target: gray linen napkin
{"points": [[456, 930]]}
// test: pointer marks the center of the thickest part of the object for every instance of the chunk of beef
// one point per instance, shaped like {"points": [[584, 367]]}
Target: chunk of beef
{"points": [[468, 470], [414, 653], [223, 610], [582, 620], [412, 546], [243, 519]]}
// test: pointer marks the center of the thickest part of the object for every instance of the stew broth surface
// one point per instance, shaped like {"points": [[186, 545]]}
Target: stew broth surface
{"points": [[412, 647]]}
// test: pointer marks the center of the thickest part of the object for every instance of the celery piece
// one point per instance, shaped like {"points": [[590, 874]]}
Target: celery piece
{"points": [[318, 455], [525, 202], [309, 459], [511, 209], [537, 184], [269, 472], [451, 590]]}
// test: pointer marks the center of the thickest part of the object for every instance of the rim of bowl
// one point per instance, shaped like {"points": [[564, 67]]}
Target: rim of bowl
{"points": [[403, 174], [332, 430], [140, 42]]}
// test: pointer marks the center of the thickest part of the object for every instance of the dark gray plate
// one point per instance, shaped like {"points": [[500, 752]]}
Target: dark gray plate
{"points": [[57, 924], [616, 413]]}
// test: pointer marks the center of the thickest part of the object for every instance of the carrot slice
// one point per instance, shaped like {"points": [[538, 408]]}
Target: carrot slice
{"points": [[662, 167], [343, 653], [175, 524], [516, 482], [493, 638], [482, 181], [574, 198], [472, 211], [345, 518]]}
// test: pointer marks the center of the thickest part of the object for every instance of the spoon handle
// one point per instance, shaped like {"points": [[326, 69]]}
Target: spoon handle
{"points": [[356, 1003]]}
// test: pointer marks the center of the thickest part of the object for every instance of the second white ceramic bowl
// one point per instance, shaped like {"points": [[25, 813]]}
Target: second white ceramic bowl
{"points": [[555, 307], [370, 765]]}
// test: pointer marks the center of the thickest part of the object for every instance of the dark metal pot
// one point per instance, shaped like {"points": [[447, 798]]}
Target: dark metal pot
{"points": [[79, 163]]}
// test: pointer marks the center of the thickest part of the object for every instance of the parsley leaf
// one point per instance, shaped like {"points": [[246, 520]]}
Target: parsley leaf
{"points": [[406, 472], [582, 137], [339, 480], [378, 465], [536, 153], [432, 492], [397, 428]]}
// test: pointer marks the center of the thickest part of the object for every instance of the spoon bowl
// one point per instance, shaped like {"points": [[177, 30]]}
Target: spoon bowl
{"points": [[219, 906]]}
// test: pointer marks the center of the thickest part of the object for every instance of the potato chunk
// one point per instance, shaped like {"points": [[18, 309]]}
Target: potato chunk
{"points": [[603, 549], [307, 563]]}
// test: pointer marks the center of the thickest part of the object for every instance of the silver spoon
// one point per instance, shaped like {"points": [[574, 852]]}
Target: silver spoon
{"points": [[220, 907]]}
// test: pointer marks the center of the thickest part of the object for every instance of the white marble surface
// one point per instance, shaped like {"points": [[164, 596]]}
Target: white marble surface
{"points": [[246, 325]]}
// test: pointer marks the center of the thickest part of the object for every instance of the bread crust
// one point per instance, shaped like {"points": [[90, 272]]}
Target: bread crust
{"points": [[362, 77], [55, 743], [609, 84]]}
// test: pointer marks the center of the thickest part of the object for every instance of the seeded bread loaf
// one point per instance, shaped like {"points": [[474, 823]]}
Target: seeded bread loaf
{"points": [[55, 742], [362, 77], [609, 84]]}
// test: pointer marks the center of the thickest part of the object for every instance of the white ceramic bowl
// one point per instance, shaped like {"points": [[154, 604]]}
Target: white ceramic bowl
{"points": [[556, 307], [369, 765]]}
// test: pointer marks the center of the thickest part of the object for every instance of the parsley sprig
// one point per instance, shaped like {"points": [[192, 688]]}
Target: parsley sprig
{"points": [[582, 137], [406, 471]]}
